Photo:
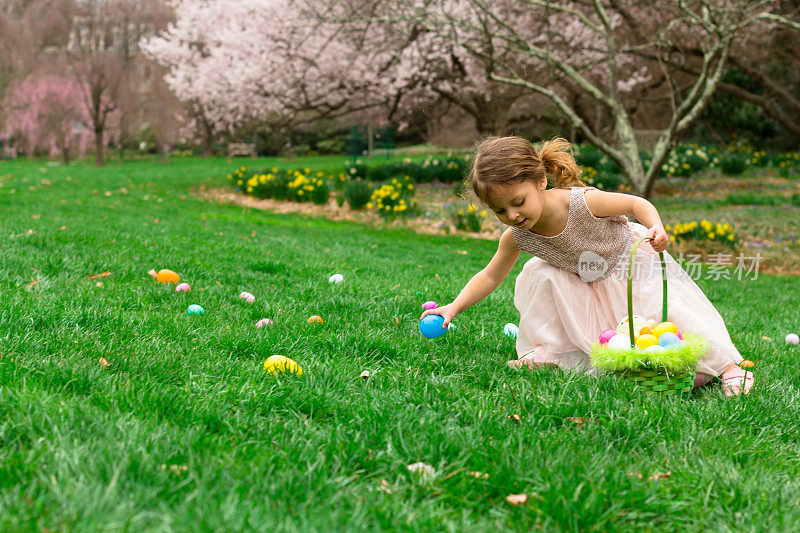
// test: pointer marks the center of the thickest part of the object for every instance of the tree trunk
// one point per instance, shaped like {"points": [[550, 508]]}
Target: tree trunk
{"points": [[100, 149]]}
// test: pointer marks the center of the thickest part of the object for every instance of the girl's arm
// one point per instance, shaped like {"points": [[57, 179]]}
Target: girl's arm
{"points": [[484, 282], [609, 204]]}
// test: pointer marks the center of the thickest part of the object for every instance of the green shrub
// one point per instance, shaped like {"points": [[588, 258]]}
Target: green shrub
{"points": [[355, 169], [601, 180], [393, 198], [784, 162], [607, 166], [450, 169], [357, 193], [588, 156], [686, 160], [467, 218], [331, 146], [321, 193], [733, 164]]}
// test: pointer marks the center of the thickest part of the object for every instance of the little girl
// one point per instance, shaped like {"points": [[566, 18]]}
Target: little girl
{"points": [[576, 285]]}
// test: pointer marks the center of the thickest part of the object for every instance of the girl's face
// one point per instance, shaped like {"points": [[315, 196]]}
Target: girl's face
{"points": [[519, 205]]}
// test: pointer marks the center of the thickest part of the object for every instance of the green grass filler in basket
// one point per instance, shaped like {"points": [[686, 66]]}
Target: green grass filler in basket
{"points": [[657, 356]]}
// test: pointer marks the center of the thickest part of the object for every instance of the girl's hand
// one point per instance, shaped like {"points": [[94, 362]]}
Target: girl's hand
{"points": [[659, 236], [447, 312]]}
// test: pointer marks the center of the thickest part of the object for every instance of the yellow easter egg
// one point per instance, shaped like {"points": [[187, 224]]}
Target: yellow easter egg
{"points": [[278, 364], [167, 276], [316, 319], [646, 340], [665, 327]]}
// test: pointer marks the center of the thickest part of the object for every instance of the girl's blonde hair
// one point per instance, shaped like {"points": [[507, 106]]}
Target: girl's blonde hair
{"points": [[503, 161]]}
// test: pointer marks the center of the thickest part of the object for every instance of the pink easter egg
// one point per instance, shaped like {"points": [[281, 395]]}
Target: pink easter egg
{"points": [[606, 335], [679, 334], [249, 298], [183, 287], [264, 322], [430, 304]]}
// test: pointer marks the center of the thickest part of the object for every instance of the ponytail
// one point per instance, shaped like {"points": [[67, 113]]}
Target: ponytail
{"points": [[556, 156]]}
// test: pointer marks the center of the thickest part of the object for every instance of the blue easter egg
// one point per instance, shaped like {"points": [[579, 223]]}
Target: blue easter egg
{"points": [[431, 326], [195, 309], [668, 339], [511, 330]]}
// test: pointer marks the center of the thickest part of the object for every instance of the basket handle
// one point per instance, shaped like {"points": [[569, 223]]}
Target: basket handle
{"points": [[630, 288]]}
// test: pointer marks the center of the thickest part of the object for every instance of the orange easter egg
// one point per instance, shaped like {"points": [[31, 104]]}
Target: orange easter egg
{"points": [[315, 319], [665, 327], [646, 330], [646, 340], [167, 276]]}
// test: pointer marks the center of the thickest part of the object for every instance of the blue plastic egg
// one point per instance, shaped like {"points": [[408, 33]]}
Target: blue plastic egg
{"points": [[431, 326], [668, 339], [195, 309]]}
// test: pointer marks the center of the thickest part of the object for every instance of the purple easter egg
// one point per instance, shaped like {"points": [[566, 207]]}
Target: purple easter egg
{"points": [[183, 287], [430, 304], [679, 334], [264, 322], [606, 335]]}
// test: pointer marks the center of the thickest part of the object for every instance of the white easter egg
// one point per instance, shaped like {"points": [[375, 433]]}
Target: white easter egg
{"points": [[619, 342], [336, 278], [511, 330]]}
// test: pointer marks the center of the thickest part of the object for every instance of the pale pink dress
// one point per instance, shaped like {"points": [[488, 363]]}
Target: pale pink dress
{"points": [[562, 313]]}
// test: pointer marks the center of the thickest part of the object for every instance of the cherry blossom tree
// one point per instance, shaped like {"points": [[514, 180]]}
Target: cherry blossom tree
{"points": [[264, 59], [590, 49], [47, 113]]}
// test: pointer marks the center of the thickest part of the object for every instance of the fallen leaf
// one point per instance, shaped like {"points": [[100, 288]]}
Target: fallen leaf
{"points": [[105, 363], [515, 417], [580, 420], [101, 275], [747, 364], [659, 475], [462, 252], [384, 487], [62, 228], [396, 321], [99, 284], [766, 338], [517, 499], [365, 374], [153, 273], [479, 475], [32, 283], [36, 217]]}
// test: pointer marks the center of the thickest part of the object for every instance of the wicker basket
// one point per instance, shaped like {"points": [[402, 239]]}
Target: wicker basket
{"points": [[677, 377]]}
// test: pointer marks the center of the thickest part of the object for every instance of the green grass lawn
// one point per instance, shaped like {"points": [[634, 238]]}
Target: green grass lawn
{"points": [[184, 431]]}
